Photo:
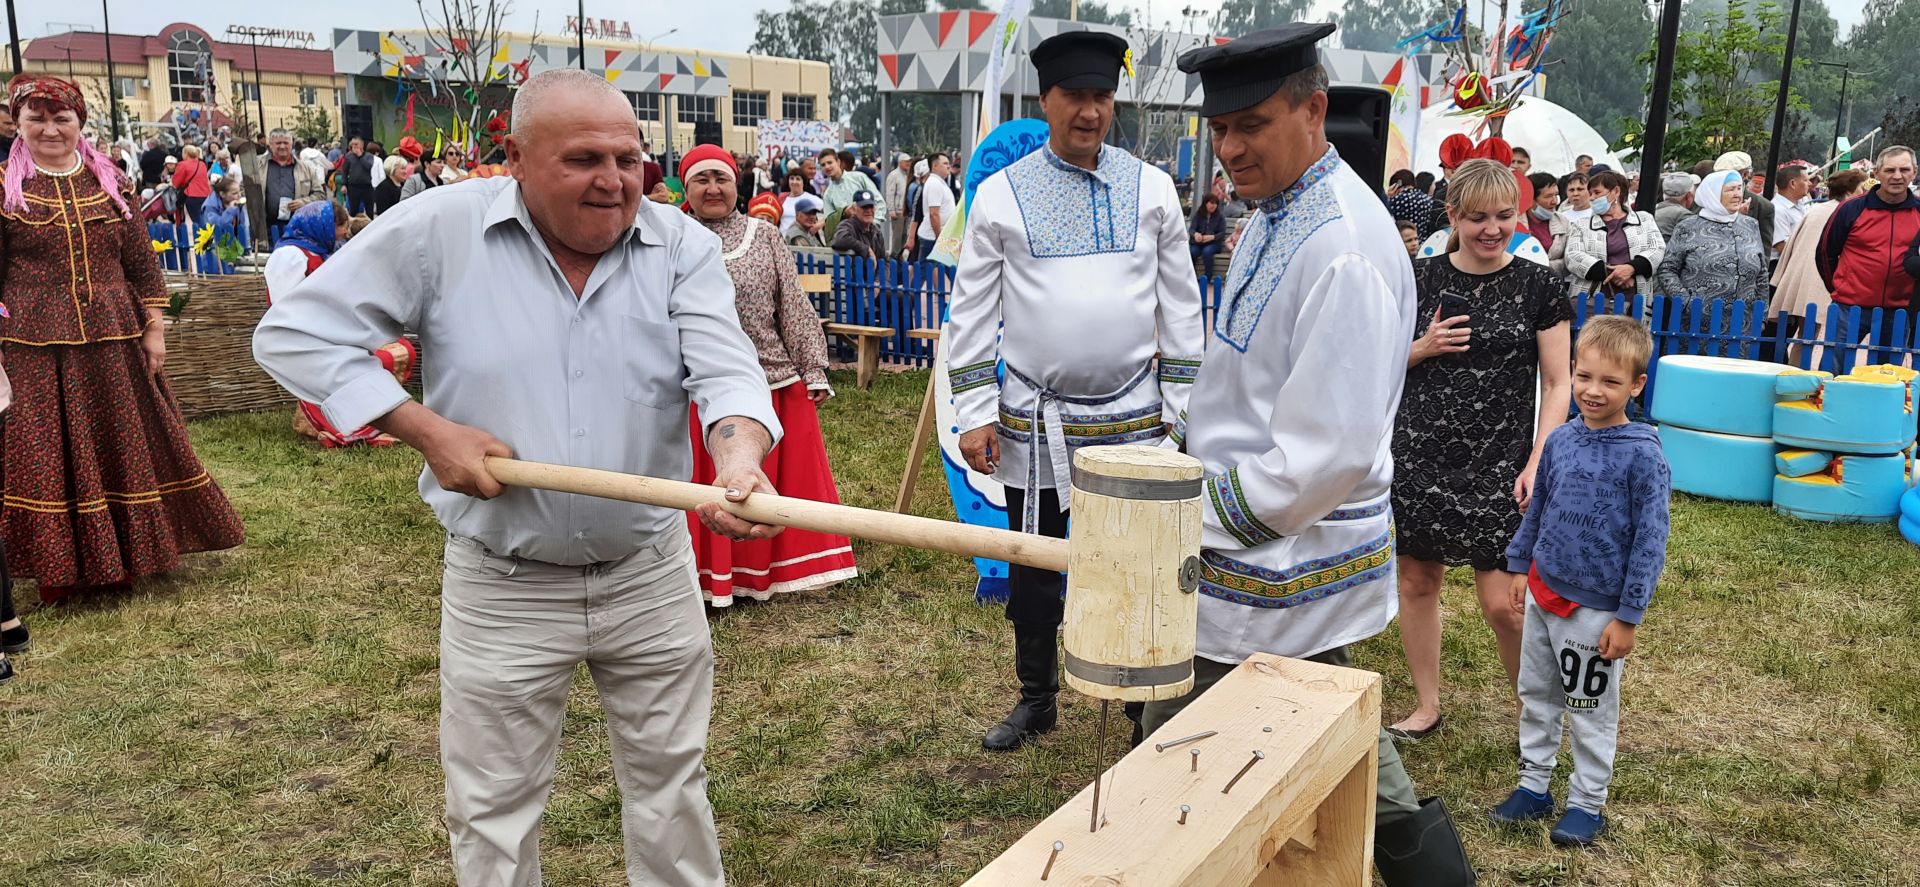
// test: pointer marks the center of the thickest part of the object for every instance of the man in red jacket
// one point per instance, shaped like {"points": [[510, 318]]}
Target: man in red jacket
{"points": [[1870, 253]]}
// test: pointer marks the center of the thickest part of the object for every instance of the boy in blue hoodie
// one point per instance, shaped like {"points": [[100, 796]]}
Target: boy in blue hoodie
{"points": [[1592, 545]]}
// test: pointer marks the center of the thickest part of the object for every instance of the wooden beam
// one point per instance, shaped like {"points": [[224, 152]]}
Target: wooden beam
{"points": [[1301, 816], [917, 452]]}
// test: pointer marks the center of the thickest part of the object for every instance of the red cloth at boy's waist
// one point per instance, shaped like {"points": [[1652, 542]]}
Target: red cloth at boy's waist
{"points": [[1545, 597]]}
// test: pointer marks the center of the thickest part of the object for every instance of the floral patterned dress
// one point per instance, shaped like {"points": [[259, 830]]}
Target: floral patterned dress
{"points": [[1465, 428], [777, 315], [101, 484]]}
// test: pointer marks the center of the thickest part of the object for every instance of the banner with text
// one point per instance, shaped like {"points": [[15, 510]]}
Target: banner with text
{"points": [[797, 138]]}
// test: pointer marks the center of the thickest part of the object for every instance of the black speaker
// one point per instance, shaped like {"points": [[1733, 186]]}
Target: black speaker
{"points": [[706, 132], [1357, 127], [356, 121]]}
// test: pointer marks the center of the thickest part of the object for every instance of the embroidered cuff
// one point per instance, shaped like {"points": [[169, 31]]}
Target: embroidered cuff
{"points": [[1179, 371], [1179, 434], [160, 302], [1236, 517], [973, 376]]}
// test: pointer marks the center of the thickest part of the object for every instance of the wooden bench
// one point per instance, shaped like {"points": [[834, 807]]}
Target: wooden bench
{"points": [[924, 333], [1225, 258], [866, 339], [866, 347]]}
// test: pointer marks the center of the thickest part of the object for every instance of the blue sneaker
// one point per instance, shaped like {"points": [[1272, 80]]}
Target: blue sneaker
{"points": [[1523, 806], [1579, 827]]}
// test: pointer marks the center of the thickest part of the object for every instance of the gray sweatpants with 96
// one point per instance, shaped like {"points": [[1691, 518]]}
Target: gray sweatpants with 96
{"points": [[1562, 674]]}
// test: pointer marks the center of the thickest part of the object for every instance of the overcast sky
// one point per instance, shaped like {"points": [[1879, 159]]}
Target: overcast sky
{"points": [[725, 25]]}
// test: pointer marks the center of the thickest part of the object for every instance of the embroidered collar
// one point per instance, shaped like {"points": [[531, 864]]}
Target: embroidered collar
{"points": [[1102, 171], [1320, 169]]}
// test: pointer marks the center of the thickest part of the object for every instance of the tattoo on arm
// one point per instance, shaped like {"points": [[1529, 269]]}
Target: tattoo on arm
{"points": [[727, 430]]}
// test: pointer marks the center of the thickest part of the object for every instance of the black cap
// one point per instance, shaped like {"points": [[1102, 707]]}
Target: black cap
{"points": [[1080, 60], [863, 198], [1244, 72]]}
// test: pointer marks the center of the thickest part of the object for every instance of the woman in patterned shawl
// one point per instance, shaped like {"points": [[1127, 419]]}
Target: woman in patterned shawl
{"points": [[101, 485], [780, 320], [1716, 254]]}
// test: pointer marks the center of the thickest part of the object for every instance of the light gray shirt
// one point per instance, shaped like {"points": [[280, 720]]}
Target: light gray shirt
{"points": [[600, 381]]}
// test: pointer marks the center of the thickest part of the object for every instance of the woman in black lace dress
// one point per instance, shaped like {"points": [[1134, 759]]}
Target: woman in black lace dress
{"points": [[1469, 433]]}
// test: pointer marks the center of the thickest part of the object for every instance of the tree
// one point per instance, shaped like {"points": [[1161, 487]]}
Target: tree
{"points": [[1092, 11], [313, 125], [842, 33], [1882, 46], [98, 98], [471, 84], [1594, 70], [1241, 17], [1719, 102], [1376, 25]]}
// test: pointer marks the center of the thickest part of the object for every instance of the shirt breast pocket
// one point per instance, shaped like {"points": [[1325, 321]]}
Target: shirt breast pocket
{"points": [[651, 363]]}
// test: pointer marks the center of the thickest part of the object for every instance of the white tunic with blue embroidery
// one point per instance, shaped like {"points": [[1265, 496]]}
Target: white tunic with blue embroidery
{"points": [[1292, 416], [1090, 274]]}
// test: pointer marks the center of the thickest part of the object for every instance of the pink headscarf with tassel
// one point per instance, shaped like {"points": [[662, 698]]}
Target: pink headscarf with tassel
{"points": [[53, 95]]}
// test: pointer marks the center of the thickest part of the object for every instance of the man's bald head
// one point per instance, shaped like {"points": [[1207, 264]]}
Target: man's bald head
{"points": [[575, 149], [567, 90]]}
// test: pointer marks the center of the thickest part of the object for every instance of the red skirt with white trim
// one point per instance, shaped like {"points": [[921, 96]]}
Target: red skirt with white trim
{"points": [[795, 560]]}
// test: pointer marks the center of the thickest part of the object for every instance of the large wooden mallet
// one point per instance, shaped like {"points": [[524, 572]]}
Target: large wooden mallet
{"points": [[1132, 564]]}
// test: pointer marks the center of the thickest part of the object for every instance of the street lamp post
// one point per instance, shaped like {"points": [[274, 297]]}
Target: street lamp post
{"points": [[666, 118], [580, 30], [113, 89], [13, 39], [1654, 142], [1846, 73], [1780, 102]]}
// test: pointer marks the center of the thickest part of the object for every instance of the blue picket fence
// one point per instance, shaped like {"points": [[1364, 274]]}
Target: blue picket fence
{"points": [[908, 295], [902, 296], [1834, 338]]}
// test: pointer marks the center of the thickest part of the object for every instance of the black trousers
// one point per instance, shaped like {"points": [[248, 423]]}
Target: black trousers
{"points": [[360, 200], [6, 589], [1033, 594]]}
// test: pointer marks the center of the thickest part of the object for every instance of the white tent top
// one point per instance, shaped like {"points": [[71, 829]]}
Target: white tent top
{"points": [[1552, 135]]}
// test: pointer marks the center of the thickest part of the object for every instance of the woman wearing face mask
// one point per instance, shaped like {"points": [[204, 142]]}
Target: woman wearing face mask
{"points": [[1546, 200], [101, 486], [1466, 440], [1575, 207], [777, 315], [1614, 251]]}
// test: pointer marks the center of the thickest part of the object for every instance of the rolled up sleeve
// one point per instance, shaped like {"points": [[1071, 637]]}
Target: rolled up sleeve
{"points": [[723, 370], [317, 341]]}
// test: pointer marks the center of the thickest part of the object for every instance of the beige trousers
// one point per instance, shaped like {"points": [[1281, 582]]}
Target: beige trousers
{"points": [[512, 632]]}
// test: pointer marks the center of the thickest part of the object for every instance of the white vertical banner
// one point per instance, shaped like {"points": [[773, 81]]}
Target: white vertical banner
{"points": [[1403, 120], [1006, 29]]}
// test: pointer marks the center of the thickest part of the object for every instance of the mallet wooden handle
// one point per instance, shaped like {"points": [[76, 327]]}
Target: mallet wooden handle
{"points": [[844, 520]]}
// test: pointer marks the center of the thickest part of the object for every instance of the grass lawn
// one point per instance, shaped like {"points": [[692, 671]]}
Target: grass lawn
{"points": [[269, 715]]}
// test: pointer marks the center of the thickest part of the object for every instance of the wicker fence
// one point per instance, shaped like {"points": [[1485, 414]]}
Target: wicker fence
{"points": [[210, 348]]}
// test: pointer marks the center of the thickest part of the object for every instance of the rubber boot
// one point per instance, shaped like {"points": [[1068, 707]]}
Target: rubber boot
{"points": [[1035, 661], [1422, 850]]}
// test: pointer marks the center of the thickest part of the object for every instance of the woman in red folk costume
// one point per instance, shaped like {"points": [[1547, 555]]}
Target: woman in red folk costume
{"points": [[101, 485], [314, 233], [780, 320]]}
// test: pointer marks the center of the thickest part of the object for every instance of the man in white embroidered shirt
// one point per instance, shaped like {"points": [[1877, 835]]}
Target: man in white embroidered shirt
{"points": [[1292, 414], [574, 319], [1081, 250]]}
